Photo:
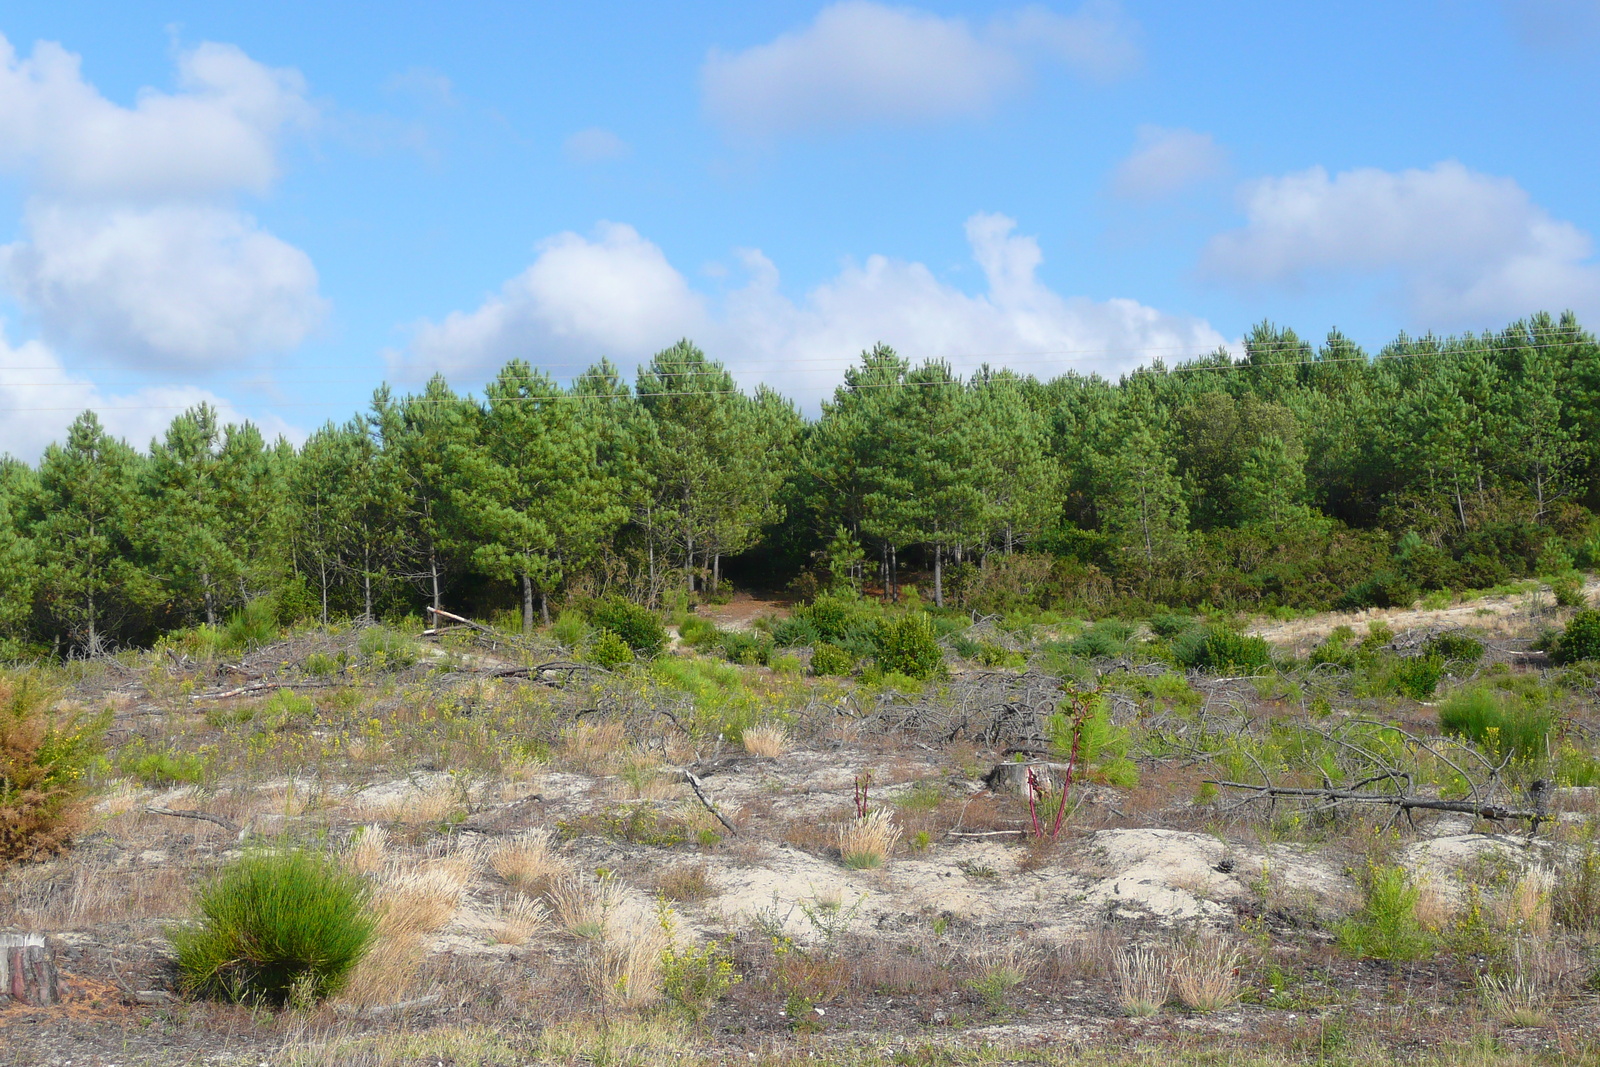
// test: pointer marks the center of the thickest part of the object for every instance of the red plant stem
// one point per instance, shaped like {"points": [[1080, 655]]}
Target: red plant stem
{"points": [[1080, 713], [1033, 809]]}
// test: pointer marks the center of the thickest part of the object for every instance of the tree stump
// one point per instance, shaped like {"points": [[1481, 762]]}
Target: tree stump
{"points": [[1013, 777], [28, 970]]}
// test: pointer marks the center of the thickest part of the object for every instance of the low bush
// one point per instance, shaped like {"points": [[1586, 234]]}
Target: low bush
{"points": [[795, 632], [276, 928], [609, 650], [1170, 626], [1387, 927], [843, 619], [1580, 640], [1222, 650], [1108, 637], [1338, 650], [255, 626], [569, 628], [1387, 589], [161, 769], [43, 764], [383, 649], [1568, 591], [1500, 722], [747, 648], [831, 659], [1418, 676], [1454, 647], [909, 646], [699, 634], [639, 626]]}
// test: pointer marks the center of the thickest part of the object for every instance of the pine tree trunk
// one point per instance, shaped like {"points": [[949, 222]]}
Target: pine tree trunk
{"points": [[883, 553], [938, 577], [322, 568], [28, 970], [544, 606], [433, 573], [894, 575], [527, 605], [716, 571]]}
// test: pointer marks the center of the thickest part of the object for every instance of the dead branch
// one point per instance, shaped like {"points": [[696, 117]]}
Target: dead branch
{"points": [[699, 791], [1403, 802], [204, 816]]}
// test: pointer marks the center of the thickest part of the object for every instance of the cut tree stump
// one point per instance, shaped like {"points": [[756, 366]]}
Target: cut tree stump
{"points": [[28, 970]]}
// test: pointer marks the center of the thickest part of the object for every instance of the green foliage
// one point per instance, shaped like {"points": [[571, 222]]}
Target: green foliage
{"points": [[161, 769], [255, 626], [383, 649], [1102, 744], [1498, 721], [1386, 589], [700, 634], [569, 628], [1386, 927], [1575, 893], [1454, 647], [1107, 637], [1418, 676], [1338, 649], [694, 979], [276, 928], [1580, 640], [1169, 625], [609, 650], [795, 631], [847, 621], [747, 648], [1222, 650], [638, 626], [908, 645], [1568, 590], [44, 759], [829, 659]]}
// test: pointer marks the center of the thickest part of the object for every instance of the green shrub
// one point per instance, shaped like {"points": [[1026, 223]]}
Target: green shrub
{"points": [[609, 650], [43, 764], [1386, 927], [749, 649], [255, 626], [276, 928], [831, 659], [1454, 647], [1580, 640], [323, 664], [160, 769], [1499, 722], [637, 625], [795, 632], [1337, 650], [844, 619], [1418, 676], [383, 649], [909, 646], [1387, 589], [1108, 637], [700, 634], [993, 655], [1568, 591], [1170, 626], [1102, 744], [1222, 650], [569, 628]]}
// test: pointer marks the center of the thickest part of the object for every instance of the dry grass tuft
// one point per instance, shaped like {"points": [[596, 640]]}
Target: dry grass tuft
{"points": [[412, 905], [584, 907], [1204, 973], [529, 862], [593, 747], [770, 739], [432, 803], [517, 920], [690, 882], [623, 969], [1144, 980], [369, 849], [867, 842], [1525, 908], [1434, 909]]}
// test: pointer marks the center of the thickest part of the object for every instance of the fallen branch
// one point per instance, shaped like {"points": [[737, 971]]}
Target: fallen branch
{"points": [[1403, 802], [204, 816], [389, 1009], [264, 687], [699, 791], [982, 833]]}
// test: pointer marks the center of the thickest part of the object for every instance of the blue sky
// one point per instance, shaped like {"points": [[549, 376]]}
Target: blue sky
{"points": [[276, 207]]}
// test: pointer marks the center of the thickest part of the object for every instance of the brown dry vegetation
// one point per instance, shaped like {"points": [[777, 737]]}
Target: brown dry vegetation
{"points": [[520, 839]]}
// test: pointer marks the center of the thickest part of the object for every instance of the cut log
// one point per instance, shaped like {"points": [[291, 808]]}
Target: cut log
{"points": [[1012, 777], [28, 970]]}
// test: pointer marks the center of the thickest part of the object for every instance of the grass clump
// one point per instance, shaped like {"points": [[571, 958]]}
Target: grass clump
{"points": [[383, 649], [1221, 650], [1501, 723], [1144, 980], [277, 928], [1387, 927], [43, 763], [866, 842]]}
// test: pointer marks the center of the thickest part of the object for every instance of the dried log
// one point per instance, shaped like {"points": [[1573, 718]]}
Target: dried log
{"points": [[264, 687], [1403, 802], [28, 970], [204, 816]]}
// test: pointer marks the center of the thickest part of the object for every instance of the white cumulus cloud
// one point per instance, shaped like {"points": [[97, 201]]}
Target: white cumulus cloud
{"points": [[1167, 161], [617, 295], [864, 62], [132, 246], [39, 398], [1465, 247]]}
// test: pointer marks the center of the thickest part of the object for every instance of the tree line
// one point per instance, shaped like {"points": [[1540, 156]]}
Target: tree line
{"points": [[1298, 474]]}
